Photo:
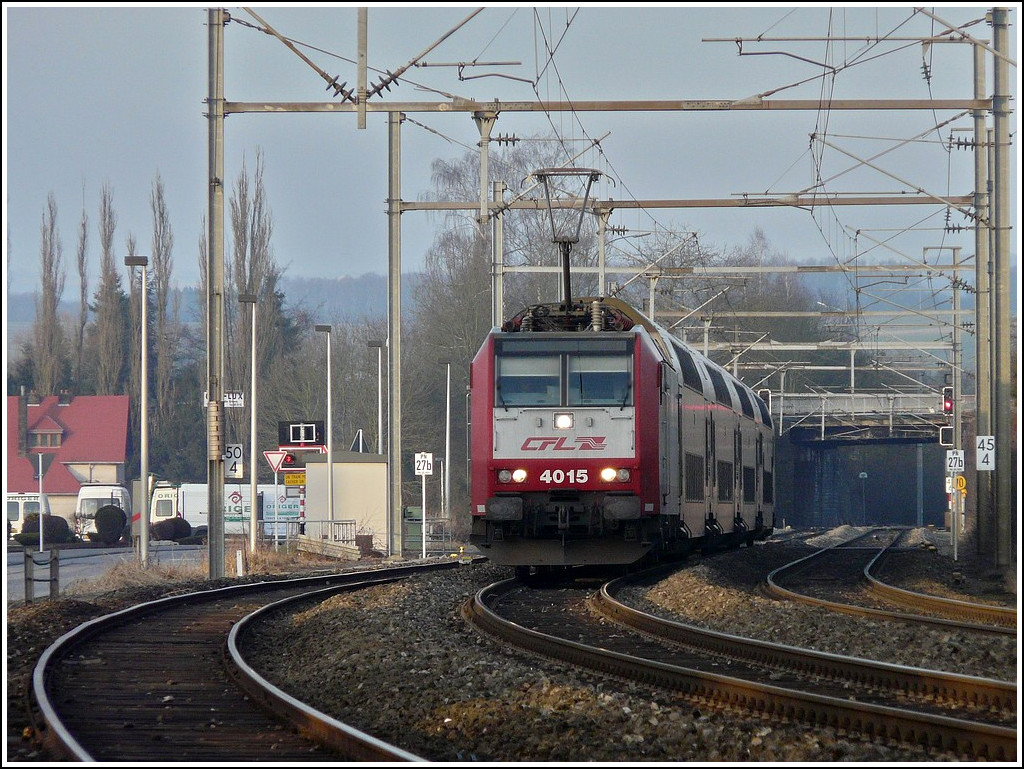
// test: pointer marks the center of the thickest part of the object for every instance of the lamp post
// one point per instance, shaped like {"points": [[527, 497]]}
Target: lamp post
{"points": [[447, 434], [143, 262], [330, 445], [253, 513], [39, 456], [380, 407]]}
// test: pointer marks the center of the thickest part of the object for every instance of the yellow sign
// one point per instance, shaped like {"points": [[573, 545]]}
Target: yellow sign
{"points": [[295, 479], [961, 483]]}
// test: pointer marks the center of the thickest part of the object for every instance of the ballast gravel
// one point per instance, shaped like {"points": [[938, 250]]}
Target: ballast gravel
{"points": [[398, 661]]}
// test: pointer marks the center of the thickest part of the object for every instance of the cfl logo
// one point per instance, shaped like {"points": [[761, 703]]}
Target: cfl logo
{"points": [[585, 443]]}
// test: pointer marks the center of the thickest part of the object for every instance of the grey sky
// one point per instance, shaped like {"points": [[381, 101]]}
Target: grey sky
{"points": [[116, 95]]}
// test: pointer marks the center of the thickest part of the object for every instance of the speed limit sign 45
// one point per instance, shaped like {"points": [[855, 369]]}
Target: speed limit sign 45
{"points": [[986, 452]]}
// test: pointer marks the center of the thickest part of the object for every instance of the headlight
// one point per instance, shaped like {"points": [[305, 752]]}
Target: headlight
{"points": [[613, 475], [563, 420], [519, 475], [504, 476]]}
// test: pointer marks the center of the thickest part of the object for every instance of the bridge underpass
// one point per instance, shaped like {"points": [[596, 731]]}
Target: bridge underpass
{"points": [[861, 458]]}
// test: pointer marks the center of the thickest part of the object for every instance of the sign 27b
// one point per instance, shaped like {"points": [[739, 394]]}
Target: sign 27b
{"points": [[955, 461]]}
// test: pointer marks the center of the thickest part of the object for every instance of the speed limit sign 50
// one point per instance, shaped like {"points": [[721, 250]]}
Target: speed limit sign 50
{"points": [[233, 460]]}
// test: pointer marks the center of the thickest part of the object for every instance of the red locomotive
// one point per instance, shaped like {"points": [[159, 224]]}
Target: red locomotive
{"points": [[599, 438]]}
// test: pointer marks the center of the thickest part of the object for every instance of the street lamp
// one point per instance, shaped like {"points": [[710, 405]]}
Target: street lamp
{"points": [[330, 445], [380, 407], [143, 262], [253, 513], [447, 434]]}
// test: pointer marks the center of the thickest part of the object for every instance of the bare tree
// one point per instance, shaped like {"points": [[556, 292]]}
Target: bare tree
{"points": [[78, 371], [109, 306], [49, 337], [252, 270], [165, 318]]}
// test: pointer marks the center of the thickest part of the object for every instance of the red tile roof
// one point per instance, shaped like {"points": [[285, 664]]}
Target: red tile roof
{"points": [[94, 428]]}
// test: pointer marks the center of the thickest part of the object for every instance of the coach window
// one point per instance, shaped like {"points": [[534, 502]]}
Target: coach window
{"points": [[528, 380], [599, 380], [691, 377], [721, 388], [745, 404]]}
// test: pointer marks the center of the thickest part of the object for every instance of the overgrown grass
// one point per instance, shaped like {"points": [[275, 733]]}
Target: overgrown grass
{"points": [[265, 561]]}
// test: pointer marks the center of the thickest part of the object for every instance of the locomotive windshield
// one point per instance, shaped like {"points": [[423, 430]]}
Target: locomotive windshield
{"points": [[598, 380], [530, 380], [564, 374]]}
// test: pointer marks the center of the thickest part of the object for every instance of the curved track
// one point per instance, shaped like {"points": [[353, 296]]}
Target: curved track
{"points": [[160, 682], [835, 578], [739, 673]]}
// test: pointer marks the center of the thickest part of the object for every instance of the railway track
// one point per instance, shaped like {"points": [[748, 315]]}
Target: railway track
{"points": [[840, 578], [162, 681], [968, 717]]}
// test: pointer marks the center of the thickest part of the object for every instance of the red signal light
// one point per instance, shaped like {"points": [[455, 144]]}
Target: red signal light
{"points": [[947, 400], [290, 460]]}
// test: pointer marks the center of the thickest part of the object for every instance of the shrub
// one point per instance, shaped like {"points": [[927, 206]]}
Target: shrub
{"points": [[171, 529], [55, 530], [110, 521]]}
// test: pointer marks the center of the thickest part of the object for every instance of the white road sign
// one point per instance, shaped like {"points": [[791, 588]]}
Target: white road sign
{"points": [[233, 399], [955, 461], [233, 461], [275, 459], [424, 464], [986, 452]]}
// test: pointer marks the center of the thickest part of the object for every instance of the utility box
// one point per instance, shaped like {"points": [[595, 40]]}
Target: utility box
{"points": [[360, 494]]}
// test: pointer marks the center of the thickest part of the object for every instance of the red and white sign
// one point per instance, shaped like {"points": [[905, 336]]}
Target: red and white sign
{"points": [[276, 459]]}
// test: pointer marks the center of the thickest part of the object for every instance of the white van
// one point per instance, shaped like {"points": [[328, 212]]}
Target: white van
{"points": [[21, 505], [93, 496], [164, 502]]}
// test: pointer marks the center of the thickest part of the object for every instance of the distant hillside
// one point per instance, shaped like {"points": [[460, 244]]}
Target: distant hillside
{"points": [[329, 299], [366, 297]]}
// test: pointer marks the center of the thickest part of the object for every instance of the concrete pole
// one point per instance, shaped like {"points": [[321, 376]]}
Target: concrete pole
{"points": [[395, 330], [1003, 221], [985, 532], [498, 257], [215, 294]]}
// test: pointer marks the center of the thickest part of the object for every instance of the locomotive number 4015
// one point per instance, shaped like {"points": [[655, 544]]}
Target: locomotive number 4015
{"points": [[565, 476]]}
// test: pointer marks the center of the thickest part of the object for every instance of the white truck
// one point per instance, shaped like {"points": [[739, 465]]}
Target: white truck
{"points": [[191, 502], [93, 496]]}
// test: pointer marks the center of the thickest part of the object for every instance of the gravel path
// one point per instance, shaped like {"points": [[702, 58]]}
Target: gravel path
{"points": [[399, 662]]}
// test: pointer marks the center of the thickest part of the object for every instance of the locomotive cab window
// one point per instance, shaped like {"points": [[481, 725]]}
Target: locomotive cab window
{"points": [[599, 380], [528, 381], [564, 373]]}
